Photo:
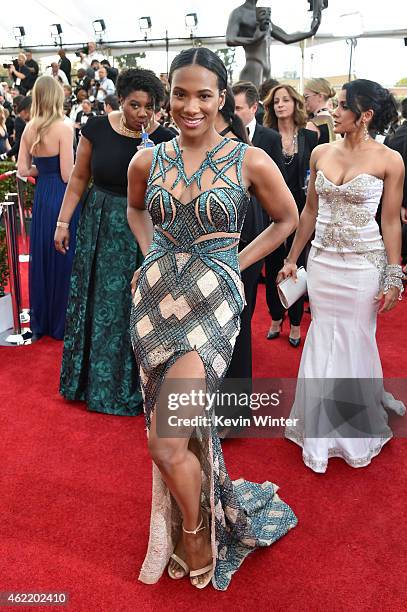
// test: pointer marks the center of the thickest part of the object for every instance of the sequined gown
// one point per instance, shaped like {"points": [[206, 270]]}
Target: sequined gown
{"points": [[189, 298], [340, 399]]}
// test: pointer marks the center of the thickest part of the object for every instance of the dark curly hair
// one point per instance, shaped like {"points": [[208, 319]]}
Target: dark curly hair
{"points": [[140, 79], [363, 95], [204, 57]]}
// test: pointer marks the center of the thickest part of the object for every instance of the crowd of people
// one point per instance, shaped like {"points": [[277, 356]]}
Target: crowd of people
{"points": [[90, 91], [236, 177]]}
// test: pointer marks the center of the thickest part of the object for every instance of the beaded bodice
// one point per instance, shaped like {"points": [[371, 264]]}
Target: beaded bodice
{"points": [[201, 214], [346, 214]]}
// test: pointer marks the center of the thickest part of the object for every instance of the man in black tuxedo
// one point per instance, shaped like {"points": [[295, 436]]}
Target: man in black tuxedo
{"points": [[65, 64], [247, 103], [239, 374]]}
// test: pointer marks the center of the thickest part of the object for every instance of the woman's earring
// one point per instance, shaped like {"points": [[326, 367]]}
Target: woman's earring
{"points": [[366, 135]]}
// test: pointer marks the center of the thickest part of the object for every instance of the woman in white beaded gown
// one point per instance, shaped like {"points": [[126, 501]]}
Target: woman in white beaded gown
{"points": [[353, 274]]}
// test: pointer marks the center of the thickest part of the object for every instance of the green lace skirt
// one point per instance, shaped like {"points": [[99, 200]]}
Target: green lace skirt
{"points": [[98, 365]]}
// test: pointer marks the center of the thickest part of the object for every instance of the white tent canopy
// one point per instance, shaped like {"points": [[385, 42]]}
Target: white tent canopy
{"points": [[122, 18], [380, 60]]}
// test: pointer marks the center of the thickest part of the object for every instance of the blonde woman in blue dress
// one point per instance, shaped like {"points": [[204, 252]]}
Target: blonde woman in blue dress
{"points": [[187, 200]]}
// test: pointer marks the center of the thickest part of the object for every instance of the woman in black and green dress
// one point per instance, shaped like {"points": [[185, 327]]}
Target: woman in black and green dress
{"points": [[98, 365]]}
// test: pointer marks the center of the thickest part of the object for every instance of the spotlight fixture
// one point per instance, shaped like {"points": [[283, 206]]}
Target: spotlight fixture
{"points": [[19, 33], [145, 25], [191, 20], [56, 31], [99, 26]]}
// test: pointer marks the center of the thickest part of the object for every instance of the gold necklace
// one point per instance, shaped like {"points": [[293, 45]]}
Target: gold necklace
{"points": [[125, 131]]}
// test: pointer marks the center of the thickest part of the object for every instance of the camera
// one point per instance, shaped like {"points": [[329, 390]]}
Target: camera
{"points": [[84, 50], [7, 66]]}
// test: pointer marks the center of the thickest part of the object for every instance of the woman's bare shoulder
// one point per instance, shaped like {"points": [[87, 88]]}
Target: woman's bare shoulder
{"points": [[141, 162]]}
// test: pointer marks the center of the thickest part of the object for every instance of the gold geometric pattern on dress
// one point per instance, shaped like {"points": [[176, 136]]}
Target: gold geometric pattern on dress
{"points": [[179, 307], [137, 297], [197, 337], [181, 259], [207, 283], [219, 365], [153, 274], [223, 313], [144, 326]]}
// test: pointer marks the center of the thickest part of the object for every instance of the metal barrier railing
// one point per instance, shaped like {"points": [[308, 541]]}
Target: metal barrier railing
{"points": [[18, 335], [14, 201]]}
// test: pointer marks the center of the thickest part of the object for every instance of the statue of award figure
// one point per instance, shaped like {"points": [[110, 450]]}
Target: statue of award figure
{"points": [[251, 27]]}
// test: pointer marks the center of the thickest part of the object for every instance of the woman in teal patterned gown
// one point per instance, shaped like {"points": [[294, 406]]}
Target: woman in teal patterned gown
{"points": [[187, 202], [98, 364]]}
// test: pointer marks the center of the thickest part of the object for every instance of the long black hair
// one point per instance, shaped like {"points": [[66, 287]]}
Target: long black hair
{"points": [[234, 122], [204, 57], [363, 95]]}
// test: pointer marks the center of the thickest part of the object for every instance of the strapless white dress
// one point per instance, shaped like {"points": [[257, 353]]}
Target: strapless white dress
{"points": [[340, 400]]}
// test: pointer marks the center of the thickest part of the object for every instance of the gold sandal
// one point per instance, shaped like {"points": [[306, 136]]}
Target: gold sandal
{"points": [[202, 570], [182, 565]]}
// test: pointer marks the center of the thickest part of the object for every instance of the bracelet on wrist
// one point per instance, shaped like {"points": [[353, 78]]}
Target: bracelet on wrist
{"points": [[63, 224], [393, 276]]}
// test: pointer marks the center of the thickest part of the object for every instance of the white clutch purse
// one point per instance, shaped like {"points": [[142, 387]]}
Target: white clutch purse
{"points": [[289, 291]]}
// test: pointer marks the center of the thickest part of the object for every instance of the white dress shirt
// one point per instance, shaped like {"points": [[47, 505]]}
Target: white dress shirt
{"points": [[109, 89], [251, 127], [88, 59], [60, 74]]}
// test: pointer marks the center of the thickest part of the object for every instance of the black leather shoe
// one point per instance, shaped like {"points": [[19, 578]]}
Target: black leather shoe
{"points": [[295, 342]]}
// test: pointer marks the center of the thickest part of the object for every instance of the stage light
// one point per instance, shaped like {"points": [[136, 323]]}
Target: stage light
{"points": [[145, 23], [56, 30], [191, 20], [18, 32], [99, 26]]}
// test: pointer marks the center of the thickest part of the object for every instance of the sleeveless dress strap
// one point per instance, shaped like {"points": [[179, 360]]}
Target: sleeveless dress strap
{"points": [[241, 153], [156, 152]]}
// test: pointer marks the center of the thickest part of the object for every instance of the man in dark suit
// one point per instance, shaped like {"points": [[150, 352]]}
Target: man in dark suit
{"points": [[239, 374], [247, 102], [65, 64], [398, 142], [34, 70]]}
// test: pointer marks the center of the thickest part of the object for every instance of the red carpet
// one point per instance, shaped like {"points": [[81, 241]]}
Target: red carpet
{"points": [[75, 497]]}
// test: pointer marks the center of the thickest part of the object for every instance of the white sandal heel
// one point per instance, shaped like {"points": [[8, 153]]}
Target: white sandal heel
{"points": [[181, 563], [202, 570]]}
